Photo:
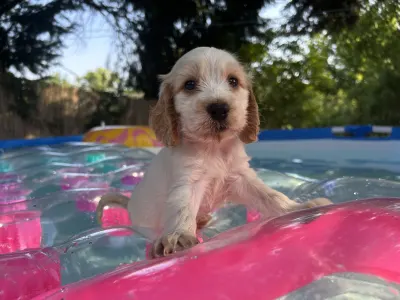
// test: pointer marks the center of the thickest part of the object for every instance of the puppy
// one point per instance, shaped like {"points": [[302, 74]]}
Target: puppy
{"points": [[205, 115]]}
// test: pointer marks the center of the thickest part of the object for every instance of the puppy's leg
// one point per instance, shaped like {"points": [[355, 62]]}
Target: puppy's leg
{"points": [[249, 189], [179, 231], [316, 202]]}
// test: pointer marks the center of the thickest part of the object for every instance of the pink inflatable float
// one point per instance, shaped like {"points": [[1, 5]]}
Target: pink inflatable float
{"points": [[19, 230], [346, 249]]}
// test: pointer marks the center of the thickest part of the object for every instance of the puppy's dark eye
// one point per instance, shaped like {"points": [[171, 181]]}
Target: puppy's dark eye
{"points": [[190, 85], [233, 82]]}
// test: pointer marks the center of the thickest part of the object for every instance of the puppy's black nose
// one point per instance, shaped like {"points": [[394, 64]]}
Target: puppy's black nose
{"points": [[218, 111]]}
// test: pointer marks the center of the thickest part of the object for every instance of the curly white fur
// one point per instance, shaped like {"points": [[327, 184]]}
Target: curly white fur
{"points": [[204, 163]]}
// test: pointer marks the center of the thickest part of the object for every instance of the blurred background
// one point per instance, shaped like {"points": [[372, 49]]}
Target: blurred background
{"points": [[68, 65]]}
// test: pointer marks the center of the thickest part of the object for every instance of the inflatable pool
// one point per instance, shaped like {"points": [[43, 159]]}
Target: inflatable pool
{"points": [[51, 246]]}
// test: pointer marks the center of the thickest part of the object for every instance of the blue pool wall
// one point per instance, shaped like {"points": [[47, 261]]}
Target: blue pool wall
{"points": [[349, 132], [19, 143], [353, 132], [346, 146]]}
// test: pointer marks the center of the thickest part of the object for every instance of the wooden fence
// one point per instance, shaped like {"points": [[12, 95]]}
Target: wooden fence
{"points": [[57, 110]]}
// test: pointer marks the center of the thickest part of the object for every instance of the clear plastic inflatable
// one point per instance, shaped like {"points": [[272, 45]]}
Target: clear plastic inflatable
{"points": [[52, 247]]}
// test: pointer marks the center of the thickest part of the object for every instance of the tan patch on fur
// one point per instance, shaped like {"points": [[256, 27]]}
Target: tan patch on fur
{"points": [[164, 119], [250, 133]]}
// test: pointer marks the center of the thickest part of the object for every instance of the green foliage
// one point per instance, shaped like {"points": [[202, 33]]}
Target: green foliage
{"points": [[57, 79], [113, 96], [299, 89], [311, 16], [351, 77], [104, 80], [370, 59], [101, 80]]}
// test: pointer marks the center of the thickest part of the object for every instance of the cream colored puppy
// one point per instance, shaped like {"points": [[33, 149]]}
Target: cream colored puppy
{"points": [[205, 114]]}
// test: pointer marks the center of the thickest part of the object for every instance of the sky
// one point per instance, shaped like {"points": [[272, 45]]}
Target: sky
{"points": [[94, 45]]}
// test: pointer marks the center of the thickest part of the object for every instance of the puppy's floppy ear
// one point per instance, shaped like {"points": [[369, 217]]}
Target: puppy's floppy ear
{"points": [[164, 118], [250, 133]]}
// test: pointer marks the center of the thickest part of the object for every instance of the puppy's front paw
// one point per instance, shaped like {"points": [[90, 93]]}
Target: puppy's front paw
{"points": [[172, 243], [317, 202]]}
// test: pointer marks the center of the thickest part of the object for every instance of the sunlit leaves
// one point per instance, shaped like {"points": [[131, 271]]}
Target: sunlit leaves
{"points": [[343, 78]]}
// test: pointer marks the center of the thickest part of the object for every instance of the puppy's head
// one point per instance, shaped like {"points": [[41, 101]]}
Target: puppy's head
{"points": [[206, 96]]}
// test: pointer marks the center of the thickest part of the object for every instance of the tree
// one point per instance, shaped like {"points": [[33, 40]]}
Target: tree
{"points": [[113, 96], [368, 60], [167, 29], [101, 80], [164, 30], [314, 16], [326, 74], [31, 34], [299, 89], [57, 79], [347, 77]]}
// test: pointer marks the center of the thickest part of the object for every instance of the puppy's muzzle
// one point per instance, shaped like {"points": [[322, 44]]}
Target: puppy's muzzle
{"points": [[218, 111]]}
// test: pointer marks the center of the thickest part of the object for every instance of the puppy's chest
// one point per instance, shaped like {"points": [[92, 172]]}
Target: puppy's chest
{"points": [[217, 167], [219, 175]]}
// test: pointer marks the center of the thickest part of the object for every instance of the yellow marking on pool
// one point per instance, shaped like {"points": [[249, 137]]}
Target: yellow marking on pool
{"points": [[131, 136]]}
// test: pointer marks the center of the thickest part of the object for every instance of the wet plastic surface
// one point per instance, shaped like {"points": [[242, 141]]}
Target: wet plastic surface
{"points": [[286, 257], [50, 238]]}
